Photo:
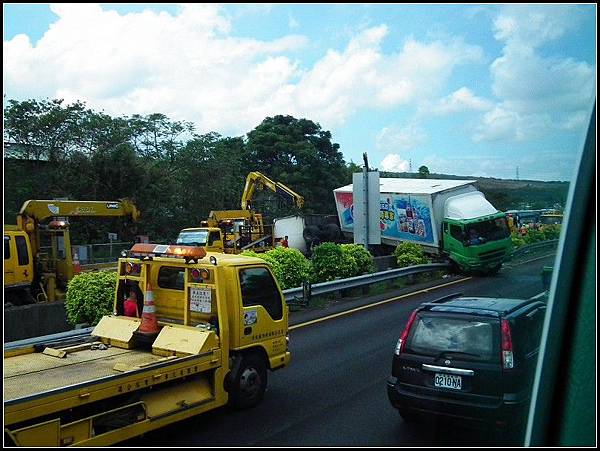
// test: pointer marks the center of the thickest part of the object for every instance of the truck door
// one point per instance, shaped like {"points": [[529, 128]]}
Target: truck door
{"points": [[18, 266], [9, 261], [264, 313], [453, 238]]}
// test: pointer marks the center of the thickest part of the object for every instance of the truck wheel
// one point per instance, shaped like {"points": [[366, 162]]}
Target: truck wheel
{"points": [[249, 383], [332, 232], [493, 271], [310, 233], [454, 268]]}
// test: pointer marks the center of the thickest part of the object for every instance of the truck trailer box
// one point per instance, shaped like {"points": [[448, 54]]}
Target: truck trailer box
{"points": [[410, 209]]}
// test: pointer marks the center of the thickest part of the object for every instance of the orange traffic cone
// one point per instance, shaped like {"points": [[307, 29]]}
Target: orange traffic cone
{"points": [[149, 324], [76, 264]]}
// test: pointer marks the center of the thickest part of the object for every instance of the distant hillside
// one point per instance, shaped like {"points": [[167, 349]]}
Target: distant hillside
{"points": [[506, 194]]}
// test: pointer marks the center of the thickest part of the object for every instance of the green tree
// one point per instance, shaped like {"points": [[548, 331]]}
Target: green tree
{"points": [[297, 153], [423, 172]]}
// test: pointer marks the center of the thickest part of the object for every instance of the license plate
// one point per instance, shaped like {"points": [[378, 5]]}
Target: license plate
{"points": [[447, 381]]}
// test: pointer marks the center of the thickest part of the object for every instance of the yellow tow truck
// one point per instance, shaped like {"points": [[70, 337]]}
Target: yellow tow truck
{"points": [[234, 231], [38, 260], [222, 322]]}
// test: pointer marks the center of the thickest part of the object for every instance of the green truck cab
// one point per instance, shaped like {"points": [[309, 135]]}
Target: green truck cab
{"points": [[477, 245]]}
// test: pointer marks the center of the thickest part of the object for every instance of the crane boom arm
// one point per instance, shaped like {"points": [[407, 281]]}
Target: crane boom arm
{"points": [[256, 180], [43, 209]]}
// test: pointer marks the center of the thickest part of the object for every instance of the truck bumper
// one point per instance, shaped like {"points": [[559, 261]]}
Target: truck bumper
{"points": [[280, 361]]}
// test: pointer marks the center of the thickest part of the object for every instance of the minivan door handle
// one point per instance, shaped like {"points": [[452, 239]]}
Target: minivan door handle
{"points": [[445, 369]]}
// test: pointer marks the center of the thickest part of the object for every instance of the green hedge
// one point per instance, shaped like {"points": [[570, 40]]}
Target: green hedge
{"points": [[409, 254], [90, 296], [294, 267], [289, 266], [330, 262], [364, 259]]}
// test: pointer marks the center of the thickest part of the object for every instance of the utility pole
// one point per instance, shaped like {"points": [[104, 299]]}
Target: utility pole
{"points": [[517, 172], [410, 165], [366, 199]]}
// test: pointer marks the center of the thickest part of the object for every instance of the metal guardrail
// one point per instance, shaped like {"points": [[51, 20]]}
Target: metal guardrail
{"points": [[301, 294], [298, 295], [532, 247], [54, 339]]}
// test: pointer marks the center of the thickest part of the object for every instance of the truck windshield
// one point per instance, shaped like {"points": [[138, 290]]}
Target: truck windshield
{"points": [[193, 238], [551, 219], [483, 232]]}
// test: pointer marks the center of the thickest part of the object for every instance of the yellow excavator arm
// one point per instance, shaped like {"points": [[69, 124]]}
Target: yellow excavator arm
{"points": [[256, 180], [34, 211], [38, 210]]}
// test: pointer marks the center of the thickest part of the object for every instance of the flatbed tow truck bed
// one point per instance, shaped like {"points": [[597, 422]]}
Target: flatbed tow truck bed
{"points": [[30, 375], [91, 390]]}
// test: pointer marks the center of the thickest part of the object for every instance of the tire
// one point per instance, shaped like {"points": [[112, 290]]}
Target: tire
{"points": [[454, 268], [493, 271], [331, 232], [249, 383], [310, 233]]}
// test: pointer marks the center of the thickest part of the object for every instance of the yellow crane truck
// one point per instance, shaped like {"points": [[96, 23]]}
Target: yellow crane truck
{"points": [[234, 231], [28, 266], [222, 322]]}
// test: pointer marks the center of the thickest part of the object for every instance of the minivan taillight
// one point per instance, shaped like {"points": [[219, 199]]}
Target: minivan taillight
{"points": [[507, 347], [402, 340]]}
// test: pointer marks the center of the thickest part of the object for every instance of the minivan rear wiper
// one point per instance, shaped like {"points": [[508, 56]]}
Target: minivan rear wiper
{"points": [[456, 353]]}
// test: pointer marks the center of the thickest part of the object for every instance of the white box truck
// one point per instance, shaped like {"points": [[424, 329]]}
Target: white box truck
{"points": [[446, 217], [306, 231]]}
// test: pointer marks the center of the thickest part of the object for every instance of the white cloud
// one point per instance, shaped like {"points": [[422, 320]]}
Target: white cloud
{"points": [[394, 163], [505, 124], [393, 138], [190, 66], [461, 100], [536, 92]]}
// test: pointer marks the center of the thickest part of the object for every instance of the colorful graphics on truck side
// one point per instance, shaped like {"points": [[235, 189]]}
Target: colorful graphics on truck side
{"points": [[402, 216]]}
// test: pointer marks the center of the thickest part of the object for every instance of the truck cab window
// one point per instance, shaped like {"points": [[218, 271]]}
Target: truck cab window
{"points": [[171, 277], [22, 253], [456, 232], [259, 288], [214, 236], [6, 248]]}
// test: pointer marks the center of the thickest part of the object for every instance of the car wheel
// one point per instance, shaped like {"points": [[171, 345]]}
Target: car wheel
{"points": [[250, 382]]}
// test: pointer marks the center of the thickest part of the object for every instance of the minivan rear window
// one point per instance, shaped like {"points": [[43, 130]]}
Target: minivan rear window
{"points": [[468, 339]]}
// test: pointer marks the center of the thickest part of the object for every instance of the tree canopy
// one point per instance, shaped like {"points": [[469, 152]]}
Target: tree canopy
{"points": [[174, 175]]}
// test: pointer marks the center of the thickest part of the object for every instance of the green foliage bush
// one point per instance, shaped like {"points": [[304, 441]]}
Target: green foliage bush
{"points": [[90, 296], [409, 254], [329, 262], [552, 231], [517, 240], [294, 267], [534, 236], [363, 258]]}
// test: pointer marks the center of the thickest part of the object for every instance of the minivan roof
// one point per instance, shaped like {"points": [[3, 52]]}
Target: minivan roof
{"points": [[478, 305]]}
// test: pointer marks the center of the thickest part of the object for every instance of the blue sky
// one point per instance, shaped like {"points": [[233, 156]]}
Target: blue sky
{"points": [[463, 89]]}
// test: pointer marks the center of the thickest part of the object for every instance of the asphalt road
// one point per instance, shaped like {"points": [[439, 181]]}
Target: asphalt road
{"points": [[334, 391]]}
